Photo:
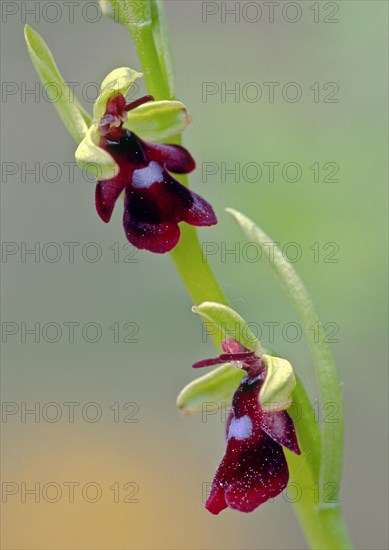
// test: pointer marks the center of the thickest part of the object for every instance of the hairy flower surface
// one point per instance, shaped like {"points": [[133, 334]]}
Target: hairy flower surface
{"points": [[254, 468], [154, 201]]}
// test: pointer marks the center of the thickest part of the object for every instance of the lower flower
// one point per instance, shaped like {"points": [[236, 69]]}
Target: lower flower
{"points": [[254, 468]]}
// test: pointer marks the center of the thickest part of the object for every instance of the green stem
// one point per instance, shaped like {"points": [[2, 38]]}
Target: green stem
{"points": [[157, 66], [137, 16], [324, 529], [153, 73], [161, 36], [194, 268], [323, 526]]}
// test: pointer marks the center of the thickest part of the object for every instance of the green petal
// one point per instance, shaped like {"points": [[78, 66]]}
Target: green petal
{"points": [[73, 115], [93, 158], [158, 120], [118, 81], [280, 382], [230, 323], [216, 387]]}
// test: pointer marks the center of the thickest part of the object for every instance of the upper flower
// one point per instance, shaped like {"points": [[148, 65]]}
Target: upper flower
{"points": [[155, 202], [254, 467]]}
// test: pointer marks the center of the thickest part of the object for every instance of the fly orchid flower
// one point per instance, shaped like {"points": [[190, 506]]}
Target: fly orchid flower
{"points": [[154, 201], [254, 468]]}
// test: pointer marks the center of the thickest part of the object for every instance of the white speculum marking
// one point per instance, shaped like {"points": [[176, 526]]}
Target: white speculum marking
{"points": [[145, 177], [241, 428]]}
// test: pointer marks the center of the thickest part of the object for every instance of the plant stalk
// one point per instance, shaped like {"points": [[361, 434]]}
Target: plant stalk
{"points": [[323, 525]]}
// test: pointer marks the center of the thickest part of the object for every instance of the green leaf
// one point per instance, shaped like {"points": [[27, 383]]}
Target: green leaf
{"points": [[323, 360], [230, 323], [118, 81], [215, 388], [93, 158], [158, 120], [73, 115], [276, 392]]}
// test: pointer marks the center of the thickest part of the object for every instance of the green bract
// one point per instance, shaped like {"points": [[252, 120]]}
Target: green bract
{"points": [[73, 115], [276, 392]]}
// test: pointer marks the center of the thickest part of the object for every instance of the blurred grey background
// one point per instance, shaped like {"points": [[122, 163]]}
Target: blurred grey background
{"points": [[162, 462]]}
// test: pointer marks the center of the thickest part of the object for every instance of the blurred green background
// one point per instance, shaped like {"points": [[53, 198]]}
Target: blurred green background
{"points": [[167, 457]]}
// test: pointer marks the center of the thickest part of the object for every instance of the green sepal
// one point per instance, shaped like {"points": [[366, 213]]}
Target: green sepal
{"points": [[93, 158], [230, 324], [216, 387], [158, 120], [73, 115], [118, 81], [280, 382]]}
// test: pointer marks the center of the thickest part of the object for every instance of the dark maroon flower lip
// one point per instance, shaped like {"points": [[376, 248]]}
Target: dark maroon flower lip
{"points": [[155, 202], [254, 468]]}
